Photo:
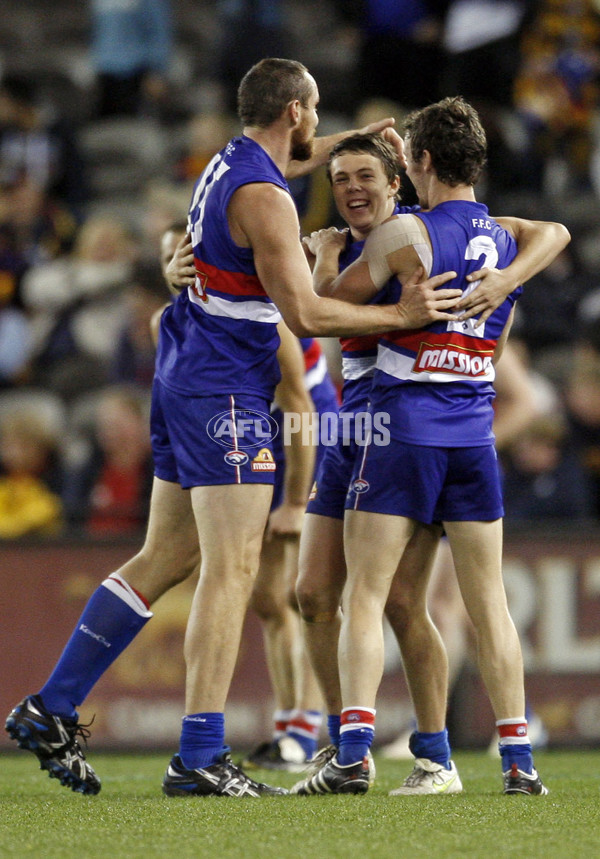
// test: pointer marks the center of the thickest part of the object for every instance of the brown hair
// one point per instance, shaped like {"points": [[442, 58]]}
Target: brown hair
{"points": [[268, 87], [451, 131], [372, 144]]}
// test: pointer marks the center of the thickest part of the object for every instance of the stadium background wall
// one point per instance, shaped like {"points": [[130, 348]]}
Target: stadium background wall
{"points": [[553, 581]]}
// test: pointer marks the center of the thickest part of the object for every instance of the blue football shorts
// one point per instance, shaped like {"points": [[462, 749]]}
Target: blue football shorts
{"points": [[328, 495], [429, 484], [213, 440], [324, 397]]}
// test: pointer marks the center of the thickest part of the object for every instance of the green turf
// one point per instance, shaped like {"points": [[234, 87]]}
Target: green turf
{"points": [[130, 818]]}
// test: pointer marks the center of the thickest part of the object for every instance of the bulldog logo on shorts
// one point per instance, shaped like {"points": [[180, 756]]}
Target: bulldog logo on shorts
{"points": [[236, 457], [359, 486]]}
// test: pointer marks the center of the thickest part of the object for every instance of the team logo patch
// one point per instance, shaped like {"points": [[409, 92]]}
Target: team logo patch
{"points": [[361, 485], [241, 429], [263, 461], [236, 457]]}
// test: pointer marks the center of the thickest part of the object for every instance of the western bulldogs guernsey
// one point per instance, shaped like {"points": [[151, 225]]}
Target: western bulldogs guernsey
{"points": [[359, 354], [456, 410], [220, 335]]}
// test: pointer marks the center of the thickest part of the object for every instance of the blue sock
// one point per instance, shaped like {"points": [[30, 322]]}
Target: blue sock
{"points": [[333, 728], [202, 740], [110, 621], [354, 745], [435, 747], [356, 734], [516, 754]]}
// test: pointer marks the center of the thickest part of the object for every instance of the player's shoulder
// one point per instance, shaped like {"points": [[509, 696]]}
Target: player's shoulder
{"points": [[398, 231]]}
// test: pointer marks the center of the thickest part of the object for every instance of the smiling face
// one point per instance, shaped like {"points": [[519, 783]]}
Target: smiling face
{"points": [[363, 194]]}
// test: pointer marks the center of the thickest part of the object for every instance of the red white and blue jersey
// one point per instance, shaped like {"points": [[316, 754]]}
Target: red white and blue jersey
{"points": [[359, 354], [436, 383], [220, 336]]}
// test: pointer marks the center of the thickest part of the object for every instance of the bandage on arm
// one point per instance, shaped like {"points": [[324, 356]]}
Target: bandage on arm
{"points": [[400, 232]]}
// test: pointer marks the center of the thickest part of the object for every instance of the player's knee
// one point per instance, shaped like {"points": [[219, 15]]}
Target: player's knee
{"points": [[266, 605], [315, 606]]}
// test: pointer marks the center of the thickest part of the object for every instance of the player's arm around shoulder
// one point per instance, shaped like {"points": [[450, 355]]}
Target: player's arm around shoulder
{"points": [[263, 217], [388, 252], [538, 243]]}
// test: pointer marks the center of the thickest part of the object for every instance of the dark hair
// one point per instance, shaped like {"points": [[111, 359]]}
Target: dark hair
{"points": [[178, 226], [371, 144], [452, 133], [268, 87], [147, 274]]}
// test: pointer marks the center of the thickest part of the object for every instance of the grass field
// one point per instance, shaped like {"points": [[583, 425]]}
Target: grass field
{"points": [[131, 818]]}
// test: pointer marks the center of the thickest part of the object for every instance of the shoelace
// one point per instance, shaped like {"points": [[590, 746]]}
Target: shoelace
{"points": [[322, 757]]}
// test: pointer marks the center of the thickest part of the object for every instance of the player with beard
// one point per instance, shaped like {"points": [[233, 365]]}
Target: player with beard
{"points": [[216, 371]]}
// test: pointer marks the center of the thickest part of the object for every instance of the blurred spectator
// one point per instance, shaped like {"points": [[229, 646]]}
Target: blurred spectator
{"points": [[15, 335], [482, 43], [583, 402], [207, 133], [164, 203], [557, 92], [482, 54], [132, 42], [399, 53], [40, 160], [549, 336], [77, 305], [543, 478], [30, 476], [250, 30], [108, 488], [135, 351]]}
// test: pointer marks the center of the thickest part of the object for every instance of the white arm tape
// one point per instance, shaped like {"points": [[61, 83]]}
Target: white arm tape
{"points": [[401, 232]]}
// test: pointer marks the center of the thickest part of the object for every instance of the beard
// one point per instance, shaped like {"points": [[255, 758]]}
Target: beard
{"points": [[302, 149]]}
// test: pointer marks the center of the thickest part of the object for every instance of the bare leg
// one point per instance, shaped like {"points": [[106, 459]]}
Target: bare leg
{"points": [[230, 546], [477, 552], [279, 623], [448, 611], [423, 653], [373, 544], [170, 552], [322, 573]]}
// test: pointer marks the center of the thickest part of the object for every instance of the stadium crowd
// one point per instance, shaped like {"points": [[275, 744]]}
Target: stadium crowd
{"points": [[97, 160]]}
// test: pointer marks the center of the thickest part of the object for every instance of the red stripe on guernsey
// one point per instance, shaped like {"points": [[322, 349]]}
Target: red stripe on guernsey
{"points": [[234, 283], [356, 717], [413, 341], [311, 355], [359, 344]]}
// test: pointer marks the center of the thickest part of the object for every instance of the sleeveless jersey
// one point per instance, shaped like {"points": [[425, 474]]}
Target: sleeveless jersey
{"points": [[220, 336], [436, 382], [359, 354]]}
